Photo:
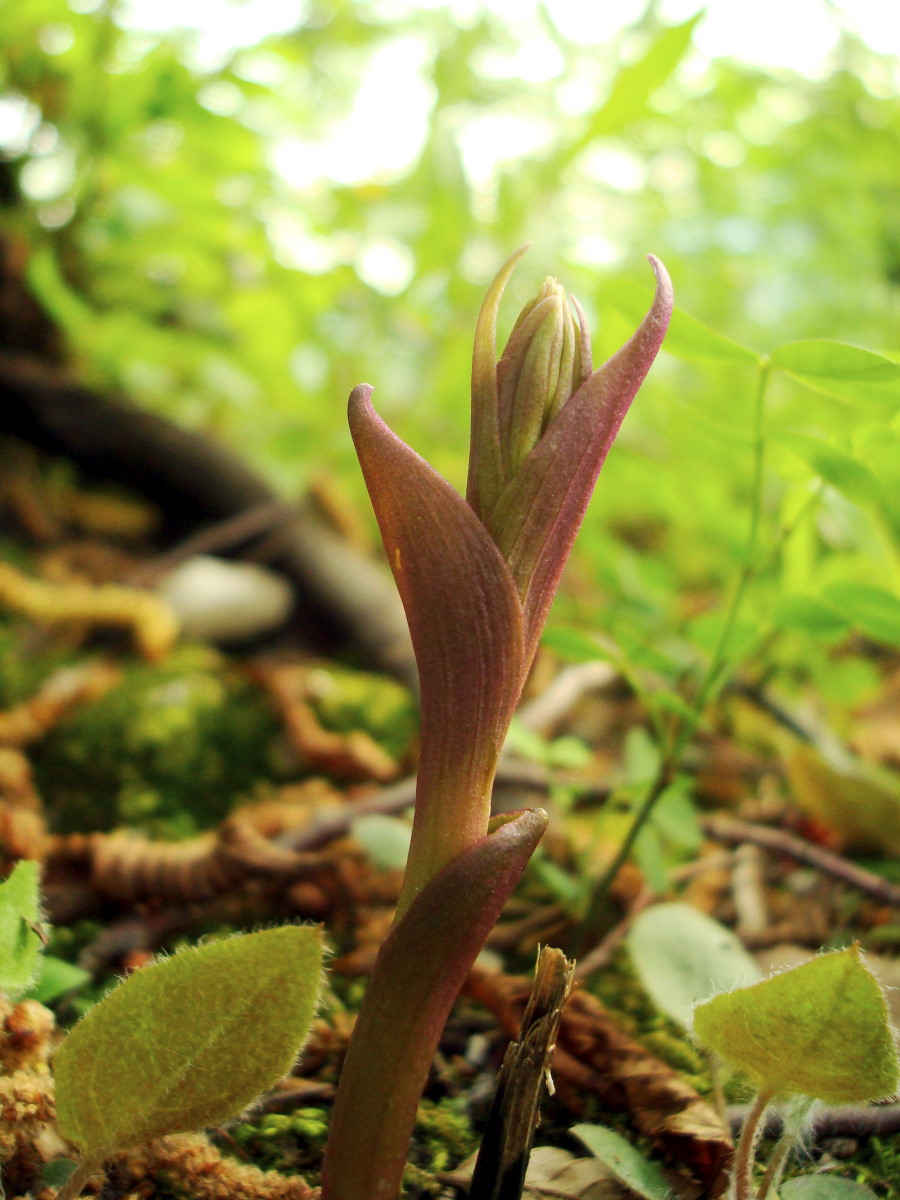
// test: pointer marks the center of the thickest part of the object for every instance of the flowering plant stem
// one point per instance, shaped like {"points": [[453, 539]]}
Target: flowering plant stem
{"points": [[477, 577]]}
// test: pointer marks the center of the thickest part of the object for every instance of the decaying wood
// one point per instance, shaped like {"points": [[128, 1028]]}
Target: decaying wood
{"points": [[594, 1056], [506, 1144], [344, 600]]}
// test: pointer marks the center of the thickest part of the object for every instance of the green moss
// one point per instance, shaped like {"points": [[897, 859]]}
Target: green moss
{"points": [[443, 1137], [292, 1143], [168, 751], [878, 1165], [620, 990], [22, 671], [346, 700]]}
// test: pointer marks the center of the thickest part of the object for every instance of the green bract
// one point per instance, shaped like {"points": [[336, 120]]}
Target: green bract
{"points": [[188, 1041], [821, 1029]]}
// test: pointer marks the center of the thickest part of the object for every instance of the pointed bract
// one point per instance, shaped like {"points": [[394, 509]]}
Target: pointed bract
{"points": [[466, 627], [421, 967]]}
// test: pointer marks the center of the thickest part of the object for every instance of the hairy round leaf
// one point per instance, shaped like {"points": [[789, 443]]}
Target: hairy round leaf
{"points": [[188, 1041], [821, 1029]]}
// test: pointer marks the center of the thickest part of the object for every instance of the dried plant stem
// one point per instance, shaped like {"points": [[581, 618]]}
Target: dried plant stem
{"points": [[745, 1151], [503, 1158]]}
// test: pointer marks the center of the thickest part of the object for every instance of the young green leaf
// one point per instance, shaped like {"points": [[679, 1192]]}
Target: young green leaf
{"points": [[682, 956], [55, 978], [188, 1041], [821, 1029], [874, 611], [20, 945], [839, 369], [626, 1162], [835, 465]]}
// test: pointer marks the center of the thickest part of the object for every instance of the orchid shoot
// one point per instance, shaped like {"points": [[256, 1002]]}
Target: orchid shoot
{"points": [[477, 577]]}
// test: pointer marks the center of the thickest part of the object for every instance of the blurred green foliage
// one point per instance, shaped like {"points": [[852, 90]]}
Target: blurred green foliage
{"points": [[210, 239]]}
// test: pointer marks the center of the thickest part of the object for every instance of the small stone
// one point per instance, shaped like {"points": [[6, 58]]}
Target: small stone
{"points": [[220, 601]]}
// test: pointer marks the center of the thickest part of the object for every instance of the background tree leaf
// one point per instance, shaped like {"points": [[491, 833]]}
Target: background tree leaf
{"points": [[188, 1041], [841, 370], [835, 465], [687, 338], [873, 610]]}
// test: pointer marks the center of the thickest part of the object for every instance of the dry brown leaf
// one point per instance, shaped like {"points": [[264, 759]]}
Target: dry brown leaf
{"points": [[128, 868], [558, 1174]]}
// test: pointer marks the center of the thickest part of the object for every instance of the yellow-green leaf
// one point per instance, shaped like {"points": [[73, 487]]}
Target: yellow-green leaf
{"points": [[839, 369], [188, 1041], [821, 1029], [855, 799], [20, 945], [824, 1187]]}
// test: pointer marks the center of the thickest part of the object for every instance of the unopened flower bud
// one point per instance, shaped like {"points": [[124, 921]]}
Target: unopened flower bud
{"points": [[542, 366]]}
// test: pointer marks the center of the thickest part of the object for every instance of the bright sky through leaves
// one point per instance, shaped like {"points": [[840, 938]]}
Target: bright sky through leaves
{"points": [[384, 131]]}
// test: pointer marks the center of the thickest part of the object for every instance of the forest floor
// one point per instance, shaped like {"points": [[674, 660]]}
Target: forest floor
{"points": [[175, 791]]}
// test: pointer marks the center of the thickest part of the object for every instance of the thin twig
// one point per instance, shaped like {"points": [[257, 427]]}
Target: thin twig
{"points": [[221, 535], [569, 686], [748, 891], [844, 1120], [602, 954], [733, 830]]}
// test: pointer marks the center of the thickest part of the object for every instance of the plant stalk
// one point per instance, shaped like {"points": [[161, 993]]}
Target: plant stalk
{"points": [[745, 1151]]}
